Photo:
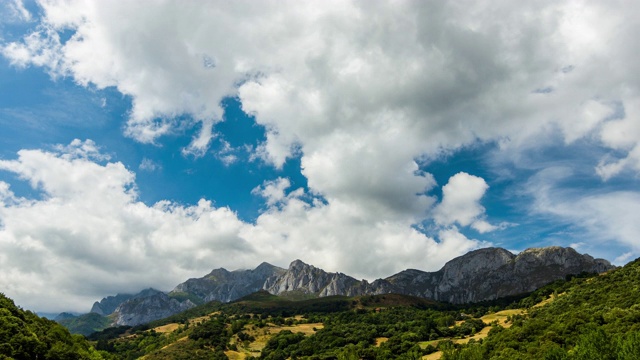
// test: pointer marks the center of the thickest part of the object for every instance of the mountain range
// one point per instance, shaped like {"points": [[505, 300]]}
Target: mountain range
{"points": [[479, 275]]}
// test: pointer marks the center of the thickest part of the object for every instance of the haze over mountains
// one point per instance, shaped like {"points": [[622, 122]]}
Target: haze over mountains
{"points": [[479, 275]]}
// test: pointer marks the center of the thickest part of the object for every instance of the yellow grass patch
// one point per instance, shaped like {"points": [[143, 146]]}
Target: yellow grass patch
{"points": [[477, 336], [433, 356], [381, 340], [167, 328], [235, 355], [548, 300], [501, 317], [202, 319], [306, 329], [262, 335]]}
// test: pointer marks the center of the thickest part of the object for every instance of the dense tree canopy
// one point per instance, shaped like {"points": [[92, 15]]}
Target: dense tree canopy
{"points": [[24, 335]]}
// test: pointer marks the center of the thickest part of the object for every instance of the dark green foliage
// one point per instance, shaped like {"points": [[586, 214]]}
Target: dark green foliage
{"points": [[24, 335], [213, 333], [281, 345], [272, 305]]}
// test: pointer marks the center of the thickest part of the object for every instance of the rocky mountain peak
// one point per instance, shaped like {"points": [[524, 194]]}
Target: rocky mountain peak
{"points": [[147, 293], [109, 304], [264, 266], [152, 306], [481, 260], [307, 279], [299, 265]]}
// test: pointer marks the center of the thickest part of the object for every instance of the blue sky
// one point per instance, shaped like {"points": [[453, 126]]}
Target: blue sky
{"points": [[146, 143]]}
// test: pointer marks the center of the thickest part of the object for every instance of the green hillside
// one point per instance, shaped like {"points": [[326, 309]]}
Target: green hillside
{"points": [[592, 318], [24, 335]]}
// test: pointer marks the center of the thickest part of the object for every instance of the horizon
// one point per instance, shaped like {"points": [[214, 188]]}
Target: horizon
{"points": [[144, 145]]}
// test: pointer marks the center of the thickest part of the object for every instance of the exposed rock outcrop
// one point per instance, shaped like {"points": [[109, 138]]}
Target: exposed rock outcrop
{"points": [[223, 285], [491, 273], [308, 279], [152, 305], [109, 304]]}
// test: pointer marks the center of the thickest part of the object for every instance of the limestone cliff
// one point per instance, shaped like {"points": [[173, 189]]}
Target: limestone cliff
{"points": [[308, 279], [152, 306], [109, 304], [223, 285]]}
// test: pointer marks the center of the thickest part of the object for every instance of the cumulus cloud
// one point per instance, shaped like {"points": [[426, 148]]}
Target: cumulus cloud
{"points": [[349, 85], [432, 74], [461, 203]]}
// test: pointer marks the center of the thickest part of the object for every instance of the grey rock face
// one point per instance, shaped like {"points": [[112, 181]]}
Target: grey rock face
{"points": [[222, 285], [109, 304], [308, 279], [491, 273], [149, 306]]}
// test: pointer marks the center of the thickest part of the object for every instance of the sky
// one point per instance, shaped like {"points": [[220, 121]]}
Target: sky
{"points": [[143, 143]]}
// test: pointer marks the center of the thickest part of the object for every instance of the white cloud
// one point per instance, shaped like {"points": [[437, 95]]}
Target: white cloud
{"points": [[359, 91], [622, 134], [149, 165], [226, 153], [431, 75], [273, 191], [90, 236], [461, 203], [14, 10]]}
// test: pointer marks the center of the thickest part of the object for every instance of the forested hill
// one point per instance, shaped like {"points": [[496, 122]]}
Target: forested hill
{"points": [[594, 318], [24, 335]]}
